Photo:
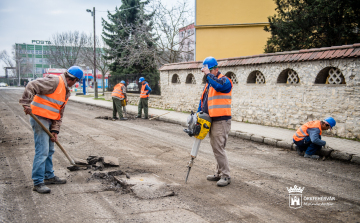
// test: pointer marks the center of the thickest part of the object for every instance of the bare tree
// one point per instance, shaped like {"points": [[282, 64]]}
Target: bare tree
{"points": [[86, 56], [20, 65], [65, 48], [23, 65], [168, 23]]}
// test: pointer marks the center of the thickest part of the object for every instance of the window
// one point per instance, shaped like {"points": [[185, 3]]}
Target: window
{"points": [[232, 77], [190, 79], [256, 77], [330, 75], [288, 76], [175, 79]]}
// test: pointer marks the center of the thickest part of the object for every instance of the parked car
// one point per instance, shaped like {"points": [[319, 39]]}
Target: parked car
{"points": [[132, 87], [2, 84]]}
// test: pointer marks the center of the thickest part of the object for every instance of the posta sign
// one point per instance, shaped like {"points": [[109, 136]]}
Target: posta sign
{"points": [[40, 42]]}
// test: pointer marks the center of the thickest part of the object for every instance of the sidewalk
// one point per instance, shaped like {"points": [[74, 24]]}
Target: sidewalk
{"points": [[342, 149]]}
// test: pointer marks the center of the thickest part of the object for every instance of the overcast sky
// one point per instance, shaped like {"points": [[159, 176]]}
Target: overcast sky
{"points": [[25, 20]]}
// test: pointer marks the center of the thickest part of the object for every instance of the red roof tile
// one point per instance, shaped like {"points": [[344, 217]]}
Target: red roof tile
{"points": [[325, 53]]}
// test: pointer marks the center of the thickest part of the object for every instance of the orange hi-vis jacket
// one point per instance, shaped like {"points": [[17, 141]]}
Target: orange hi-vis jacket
{"points": [[143, 93], [50, 105], [301, 133], [117, 92], [219, 104]]}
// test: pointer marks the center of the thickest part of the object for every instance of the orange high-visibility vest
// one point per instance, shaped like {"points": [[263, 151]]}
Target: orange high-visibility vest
{"points": [[219, 104], [143, 91], [117, 92], [301, 133], [50, 105]]}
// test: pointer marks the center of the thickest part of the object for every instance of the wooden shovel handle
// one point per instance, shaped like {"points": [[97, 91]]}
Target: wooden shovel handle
{"points": [[51, 136]]}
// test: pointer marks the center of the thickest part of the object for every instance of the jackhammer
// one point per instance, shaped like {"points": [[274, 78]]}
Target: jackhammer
{"points": [[198, 126]]}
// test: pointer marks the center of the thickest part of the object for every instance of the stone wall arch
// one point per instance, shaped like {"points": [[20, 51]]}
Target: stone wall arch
{"points": [[204, 79], [288, 76], [330, 75], [190, 79], [232, 77], [175, 79], [256, 77]]}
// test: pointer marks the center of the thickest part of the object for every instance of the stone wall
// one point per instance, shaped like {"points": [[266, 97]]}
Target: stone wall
{"points": [[273, 103]]}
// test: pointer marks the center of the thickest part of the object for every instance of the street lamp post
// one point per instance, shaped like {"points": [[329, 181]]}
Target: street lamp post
{"points": [[95, 83]]}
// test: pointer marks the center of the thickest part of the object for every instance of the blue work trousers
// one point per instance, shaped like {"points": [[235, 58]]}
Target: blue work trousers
{"points": [[44, 149], [307, 146]]}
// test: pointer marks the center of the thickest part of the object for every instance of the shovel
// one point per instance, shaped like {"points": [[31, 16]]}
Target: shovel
{"points": [[75, 164]]}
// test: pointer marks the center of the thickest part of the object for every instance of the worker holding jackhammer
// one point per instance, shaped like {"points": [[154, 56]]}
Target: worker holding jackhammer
{"points": [[119, 100], [308, 137], [46, 99], [216, 101], [144, 98]]}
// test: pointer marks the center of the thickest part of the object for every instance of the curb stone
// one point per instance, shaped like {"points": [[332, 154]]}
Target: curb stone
{"points": [[355, 159], [284, 144], [325, 152], [257, 138], [270, 141], [243, 135], [340, 155]]}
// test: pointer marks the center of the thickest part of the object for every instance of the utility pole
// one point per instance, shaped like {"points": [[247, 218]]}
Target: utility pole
{"points": [[18, 59], [95, 83]]}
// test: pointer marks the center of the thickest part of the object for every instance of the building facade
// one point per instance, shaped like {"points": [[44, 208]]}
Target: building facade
{"points": [[187, 43], [231, 28], [33, 60]]}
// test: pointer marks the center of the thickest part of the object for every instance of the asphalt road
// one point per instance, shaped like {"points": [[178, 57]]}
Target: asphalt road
{"points": [[155, 154]]}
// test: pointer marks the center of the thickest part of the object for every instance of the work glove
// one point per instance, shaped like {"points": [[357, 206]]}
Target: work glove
{"points": [[326, 147]]}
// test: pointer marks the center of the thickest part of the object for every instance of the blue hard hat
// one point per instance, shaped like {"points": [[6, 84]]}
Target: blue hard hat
{"points": [[123, 82], [141, 79], [331, 121], [75, 71], [210, 62]]}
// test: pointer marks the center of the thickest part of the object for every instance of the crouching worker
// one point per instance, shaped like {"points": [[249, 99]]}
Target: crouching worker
{"points": [[308, 137], [46, 99]]}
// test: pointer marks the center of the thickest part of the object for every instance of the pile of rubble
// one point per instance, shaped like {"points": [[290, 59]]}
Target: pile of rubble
{"points": [[95, 163]]}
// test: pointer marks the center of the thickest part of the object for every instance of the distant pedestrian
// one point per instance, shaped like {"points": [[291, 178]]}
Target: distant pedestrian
{"points": [[119, 100], [144, 99], [25, 83], [46, 99], [308, 137]]}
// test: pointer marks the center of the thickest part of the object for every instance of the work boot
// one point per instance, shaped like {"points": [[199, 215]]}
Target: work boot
{"points": [[123, 119], [41, 188], [138, 116], [145, 118], [301, 153], [213, 177], [114, 119], [224, 181], [311, 156], [55, 180]]}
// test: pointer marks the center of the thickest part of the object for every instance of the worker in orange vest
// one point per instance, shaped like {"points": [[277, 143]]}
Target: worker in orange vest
{"points": [[119, 100], [216, 101], [308, 137], [46, 99], [144, 98]]}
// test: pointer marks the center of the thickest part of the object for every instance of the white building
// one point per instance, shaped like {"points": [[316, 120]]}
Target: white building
{"points": [[187, 43]]}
